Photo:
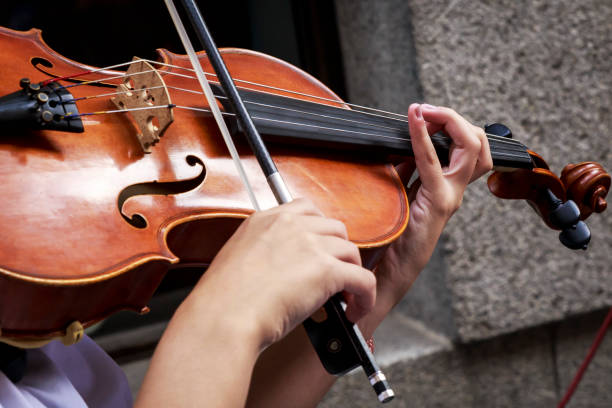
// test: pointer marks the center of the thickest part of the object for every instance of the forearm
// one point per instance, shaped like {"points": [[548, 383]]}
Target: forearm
{"points": [[277, 269], [196, 361], [289, 373]]}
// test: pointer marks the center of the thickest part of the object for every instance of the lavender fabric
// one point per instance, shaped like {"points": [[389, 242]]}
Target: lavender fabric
{"points": [[82, 375]]}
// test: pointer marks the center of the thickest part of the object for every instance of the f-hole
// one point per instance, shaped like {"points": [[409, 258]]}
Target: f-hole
{"points": [[158, 188]]}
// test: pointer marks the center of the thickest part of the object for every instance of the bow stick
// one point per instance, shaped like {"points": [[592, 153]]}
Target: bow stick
{"points": [[338, 342]]}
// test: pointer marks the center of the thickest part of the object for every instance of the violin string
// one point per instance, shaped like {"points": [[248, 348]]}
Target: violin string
{"points": [[229, 114], [104, 95], [121, 76], [491, 137], [224, 97], [212, 102], [69, 116], [385, 114], [78, 74], [398, 115], [401, 118], [191, 77]]}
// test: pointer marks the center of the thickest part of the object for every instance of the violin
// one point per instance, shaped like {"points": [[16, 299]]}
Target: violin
{"points": [[111, 177]]}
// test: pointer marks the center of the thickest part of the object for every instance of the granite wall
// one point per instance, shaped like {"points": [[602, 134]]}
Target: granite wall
{"points": [[541, 67], [530, 368], [514, 310]]}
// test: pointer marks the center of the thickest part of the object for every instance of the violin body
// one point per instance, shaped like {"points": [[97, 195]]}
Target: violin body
{"points": [[90, 223], [95, 215]]}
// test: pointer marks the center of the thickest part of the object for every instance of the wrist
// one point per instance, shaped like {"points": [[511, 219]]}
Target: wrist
{"points": [[214, 313]]}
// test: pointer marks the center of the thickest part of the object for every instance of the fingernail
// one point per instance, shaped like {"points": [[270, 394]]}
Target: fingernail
{"points": [[429, 107], [419, 112]]}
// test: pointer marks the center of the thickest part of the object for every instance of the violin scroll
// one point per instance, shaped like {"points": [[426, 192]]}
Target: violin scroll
{"points": [[563, 202], [587, 184]]}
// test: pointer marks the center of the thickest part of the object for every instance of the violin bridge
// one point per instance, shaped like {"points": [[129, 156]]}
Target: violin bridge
{"points": [[143, 93]]}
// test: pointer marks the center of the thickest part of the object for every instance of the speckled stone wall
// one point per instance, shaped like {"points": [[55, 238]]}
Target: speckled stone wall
{"points": [[530, 368], [544, 69]]}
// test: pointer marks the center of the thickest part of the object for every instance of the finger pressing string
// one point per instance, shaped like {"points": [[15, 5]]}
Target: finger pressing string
{"points": [[332, 112], [425, 154], [466, 144]]}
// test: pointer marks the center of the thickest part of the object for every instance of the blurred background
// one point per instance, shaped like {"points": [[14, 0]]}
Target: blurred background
{"points": [[504, 314]]}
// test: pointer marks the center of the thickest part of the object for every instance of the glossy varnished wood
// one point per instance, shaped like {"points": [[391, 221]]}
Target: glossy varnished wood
{"points": [[65, 249], [587, 184]]}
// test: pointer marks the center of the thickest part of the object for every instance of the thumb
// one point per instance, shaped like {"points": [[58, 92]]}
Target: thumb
{"points": [[359, 292]]}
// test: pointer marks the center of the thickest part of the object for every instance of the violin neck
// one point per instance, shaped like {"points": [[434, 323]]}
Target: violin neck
{"points": [[288, 120]]}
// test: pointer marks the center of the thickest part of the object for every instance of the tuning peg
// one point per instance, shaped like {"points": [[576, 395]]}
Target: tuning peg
{"points": [[563, 214], [576, 237], [498, 129], [566, 216]]}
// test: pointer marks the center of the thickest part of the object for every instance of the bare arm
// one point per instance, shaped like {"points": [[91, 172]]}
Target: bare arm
{"points": [[277, 269], [289, 373]]}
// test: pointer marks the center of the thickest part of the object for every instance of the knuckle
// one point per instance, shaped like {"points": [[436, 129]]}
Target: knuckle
{"points": [[306, 205], [327, 263], [488, 164], [448, 207], [282, 221], [284, 218], [454, 206], [251, 220], [371, 281], [354, 252], [302, 202], [480, 133], [311, 241], [474, 143], [450, 113], [446, 109], [427, 158], [340, 227]]}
